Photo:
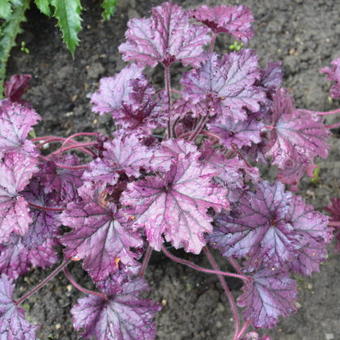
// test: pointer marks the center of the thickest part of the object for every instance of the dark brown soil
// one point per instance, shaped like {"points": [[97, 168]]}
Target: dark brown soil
{"points": [[304, 35]]}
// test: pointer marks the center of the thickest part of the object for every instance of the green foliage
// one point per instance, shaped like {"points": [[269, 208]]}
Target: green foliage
{"points": [[44, 6], [109, 7], [67, 12], [5, 9], [236, 46]]}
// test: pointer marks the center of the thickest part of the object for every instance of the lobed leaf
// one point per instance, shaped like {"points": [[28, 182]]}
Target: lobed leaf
{"points": [[166, 37], [124, 316]]}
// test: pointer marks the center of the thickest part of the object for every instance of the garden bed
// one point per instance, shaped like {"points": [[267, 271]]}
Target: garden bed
{"points": [[304, 35]]}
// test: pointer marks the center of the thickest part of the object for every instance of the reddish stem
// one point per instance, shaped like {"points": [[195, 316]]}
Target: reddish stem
{"points": [[198, 128], [235, 264], [167, 83], [333, 112], [202, 269], [212, 43], [81, 288], [41, 284], [227, 292], [243, 329], [79, 134], [71, 167], [146, 260], [74, 146], [40, 207]]}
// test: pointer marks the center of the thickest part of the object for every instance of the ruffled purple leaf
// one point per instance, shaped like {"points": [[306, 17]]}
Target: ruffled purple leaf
{"points": [[270, 294], [294, 133], [333, 74], [175, 205], [114, 91], [124, 316], [235, 20], [13, 325], [97, 235], [167, 36], [124, 154], [16, 86], [258, 228], [16, 122], [226, 85], [16, 170], [242, 133]]}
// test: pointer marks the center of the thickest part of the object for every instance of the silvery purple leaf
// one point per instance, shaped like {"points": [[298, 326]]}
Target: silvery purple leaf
{"points": [[124, 316], [175, 205], [16, 170], [268, 296], [123, 154], [235, 20], [226, 85], [114, 91], [294, 133], [16, 122], [13, 325], [167, 36]]}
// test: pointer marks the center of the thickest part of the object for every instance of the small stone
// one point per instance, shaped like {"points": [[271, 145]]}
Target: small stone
{"points": [[329, 336]]}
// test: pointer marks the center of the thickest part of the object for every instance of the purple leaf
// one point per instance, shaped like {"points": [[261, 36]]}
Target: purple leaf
{"points": [[122, 155], [226, 84], [169, 150], [258, 227], [17, 255], [314, 235], [16, 121], [167, 36], [294, 133], [235, 20], [12, 319], [124, 316], [272, 76], [97, 236], [16, 170], [333, 74], [16, 86], [271, 294], [175, 205], [242, 133], [114, 91]]}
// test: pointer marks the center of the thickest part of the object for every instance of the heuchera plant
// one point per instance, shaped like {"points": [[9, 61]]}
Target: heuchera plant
{"points": [[179, 171]]}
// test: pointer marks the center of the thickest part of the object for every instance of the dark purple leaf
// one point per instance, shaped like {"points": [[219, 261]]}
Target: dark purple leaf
{"points": [[235, 20], [13, 325], [175, 205], [124, 316], [167, 36], [226, 84], [16, 86], [271, 294]]}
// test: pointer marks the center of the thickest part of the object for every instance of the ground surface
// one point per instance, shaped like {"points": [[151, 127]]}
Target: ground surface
{"points": [[304, 35]]}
